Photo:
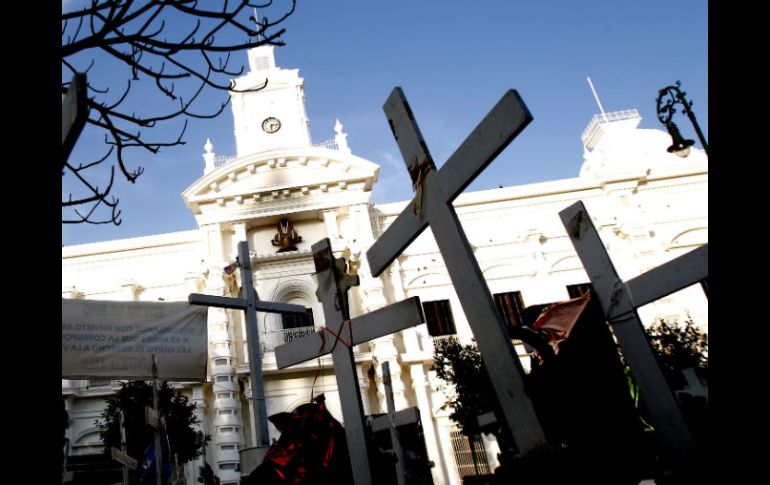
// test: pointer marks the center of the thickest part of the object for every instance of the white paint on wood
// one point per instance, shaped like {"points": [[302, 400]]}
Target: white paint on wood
{"points": [[620, 310], [433, 205]]}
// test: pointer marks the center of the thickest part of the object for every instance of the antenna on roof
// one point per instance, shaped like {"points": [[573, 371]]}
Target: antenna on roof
{"points": [[256, 23], [596, 96]]}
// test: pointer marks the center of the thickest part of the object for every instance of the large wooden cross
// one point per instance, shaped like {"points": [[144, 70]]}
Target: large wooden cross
{"points": [[619, 301], [338, 338], [250, 305], [435, 191], [74, 113]]}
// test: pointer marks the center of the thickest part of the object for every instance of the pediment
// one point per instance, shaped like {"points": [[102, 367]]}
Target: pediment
{"points": [[281, 175]]}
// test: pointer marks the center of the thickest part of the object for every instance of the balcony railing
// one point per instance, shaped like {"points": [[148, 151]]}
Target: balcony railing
{"points": [[597, 120], [330, 144], [91, 383], [220, 160]]}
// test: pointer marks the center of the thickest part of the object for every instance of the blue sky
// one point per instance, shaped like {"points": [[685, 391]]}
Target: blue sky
{"points": [[454, 59]]}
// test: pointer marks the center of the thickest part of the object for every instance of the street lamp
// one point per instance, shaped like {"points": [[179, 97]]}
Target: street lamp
{"points": [[680, 146]]}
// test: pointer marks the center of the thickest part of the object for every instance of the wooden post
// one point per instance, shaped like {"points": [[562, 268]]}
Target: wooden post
{"points": [[394, 438], [123, 447], [156, 406]]}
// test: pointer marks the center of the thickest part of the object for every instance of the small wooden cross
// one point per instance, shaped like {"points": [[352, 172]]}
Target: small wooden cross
{"points": [[435, 191], [619, 301], [250, 305], [392, 420], [339, 337]]}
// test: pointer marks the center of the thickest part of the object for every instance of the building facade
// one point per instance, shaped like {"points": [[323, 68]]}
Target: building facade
{"points": [[648, 206]]}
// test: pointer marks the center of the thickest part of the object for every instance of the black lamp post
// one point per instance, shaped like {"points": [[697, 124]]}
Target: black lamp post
{"points": [[666, 110]]}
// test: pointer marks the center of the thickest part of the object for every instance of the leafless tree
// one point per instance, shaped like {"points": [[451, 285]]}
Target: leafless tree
{"points": [[179, 47]]}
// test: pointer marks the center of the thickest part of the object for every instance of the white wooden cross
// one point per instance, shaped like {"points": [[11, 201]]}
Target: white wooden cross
{"points": [[120, 455], [619, 301], [74, 113], [250, 305], [392, 420], [435, 191], [338, 338]]}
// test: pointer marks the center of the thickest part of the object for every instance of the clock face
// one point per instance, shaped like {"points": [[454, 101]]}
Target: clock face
{"points": [[271, 125]]}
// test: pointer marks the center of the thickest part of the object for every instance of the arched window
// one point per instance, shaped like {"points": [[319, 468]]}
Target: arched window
{"points": [[295, 321]]}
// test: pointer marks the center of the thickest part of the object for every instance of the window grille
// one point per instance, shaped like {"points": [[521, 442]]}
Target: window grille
{"points": [[438, 316], [464, 458], [511, 308]]}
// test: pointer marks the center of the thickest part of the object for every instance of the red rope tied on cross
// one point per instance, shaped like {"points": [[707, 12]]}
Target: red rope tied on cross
{"points": [[337, 339], [338, 335]]}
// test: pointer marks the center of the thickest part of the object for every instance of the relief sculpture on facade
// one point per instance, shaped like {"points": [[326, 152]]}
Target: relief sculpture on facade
{"points": [[287, 237]]}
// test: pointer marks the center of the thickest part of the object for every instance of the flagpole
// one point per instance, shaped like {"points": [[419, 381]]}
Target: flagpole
{"points": [[158, 464]]}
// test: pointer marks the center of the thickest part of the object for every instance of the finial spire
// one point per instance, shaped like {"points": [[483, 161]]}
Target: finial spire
{"points": [[341, 137], [209, 157]]}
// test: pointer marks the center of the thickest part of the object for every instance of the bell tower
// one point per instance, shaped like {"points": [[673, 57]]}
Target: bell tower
{"points": [[272, 116]]}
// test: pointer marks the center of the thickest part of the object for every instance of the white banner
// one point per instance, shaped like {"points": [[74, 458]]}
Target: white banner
{"points": [[117, 339]]}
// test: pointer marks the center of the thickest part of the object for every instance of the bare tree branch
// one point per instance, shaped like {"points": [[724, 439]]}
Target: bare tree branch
{"points": [[172, 48]]}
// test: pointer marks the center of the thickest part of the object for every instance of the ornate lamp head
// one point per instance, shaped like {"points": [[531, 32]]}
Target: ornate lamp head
{"points": [[680, 147]]}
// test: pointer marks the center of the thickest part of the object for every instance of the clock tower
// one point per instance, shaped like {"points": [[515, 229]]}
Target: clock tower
{"points": [[273, 116]]}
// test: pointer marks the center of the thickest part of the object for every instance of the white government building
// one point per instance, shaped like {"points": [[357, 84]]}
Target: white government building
{"points": [[648, 205]]}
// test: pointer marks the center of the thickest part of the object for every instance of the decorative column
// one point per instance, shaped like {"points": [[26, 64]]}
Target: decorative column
{"points": [[444, 427], [421, 391], [363, 384], [371, 293], [410, 336], [240, 234], [226, 407], [332, 229], [413, 349]]}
